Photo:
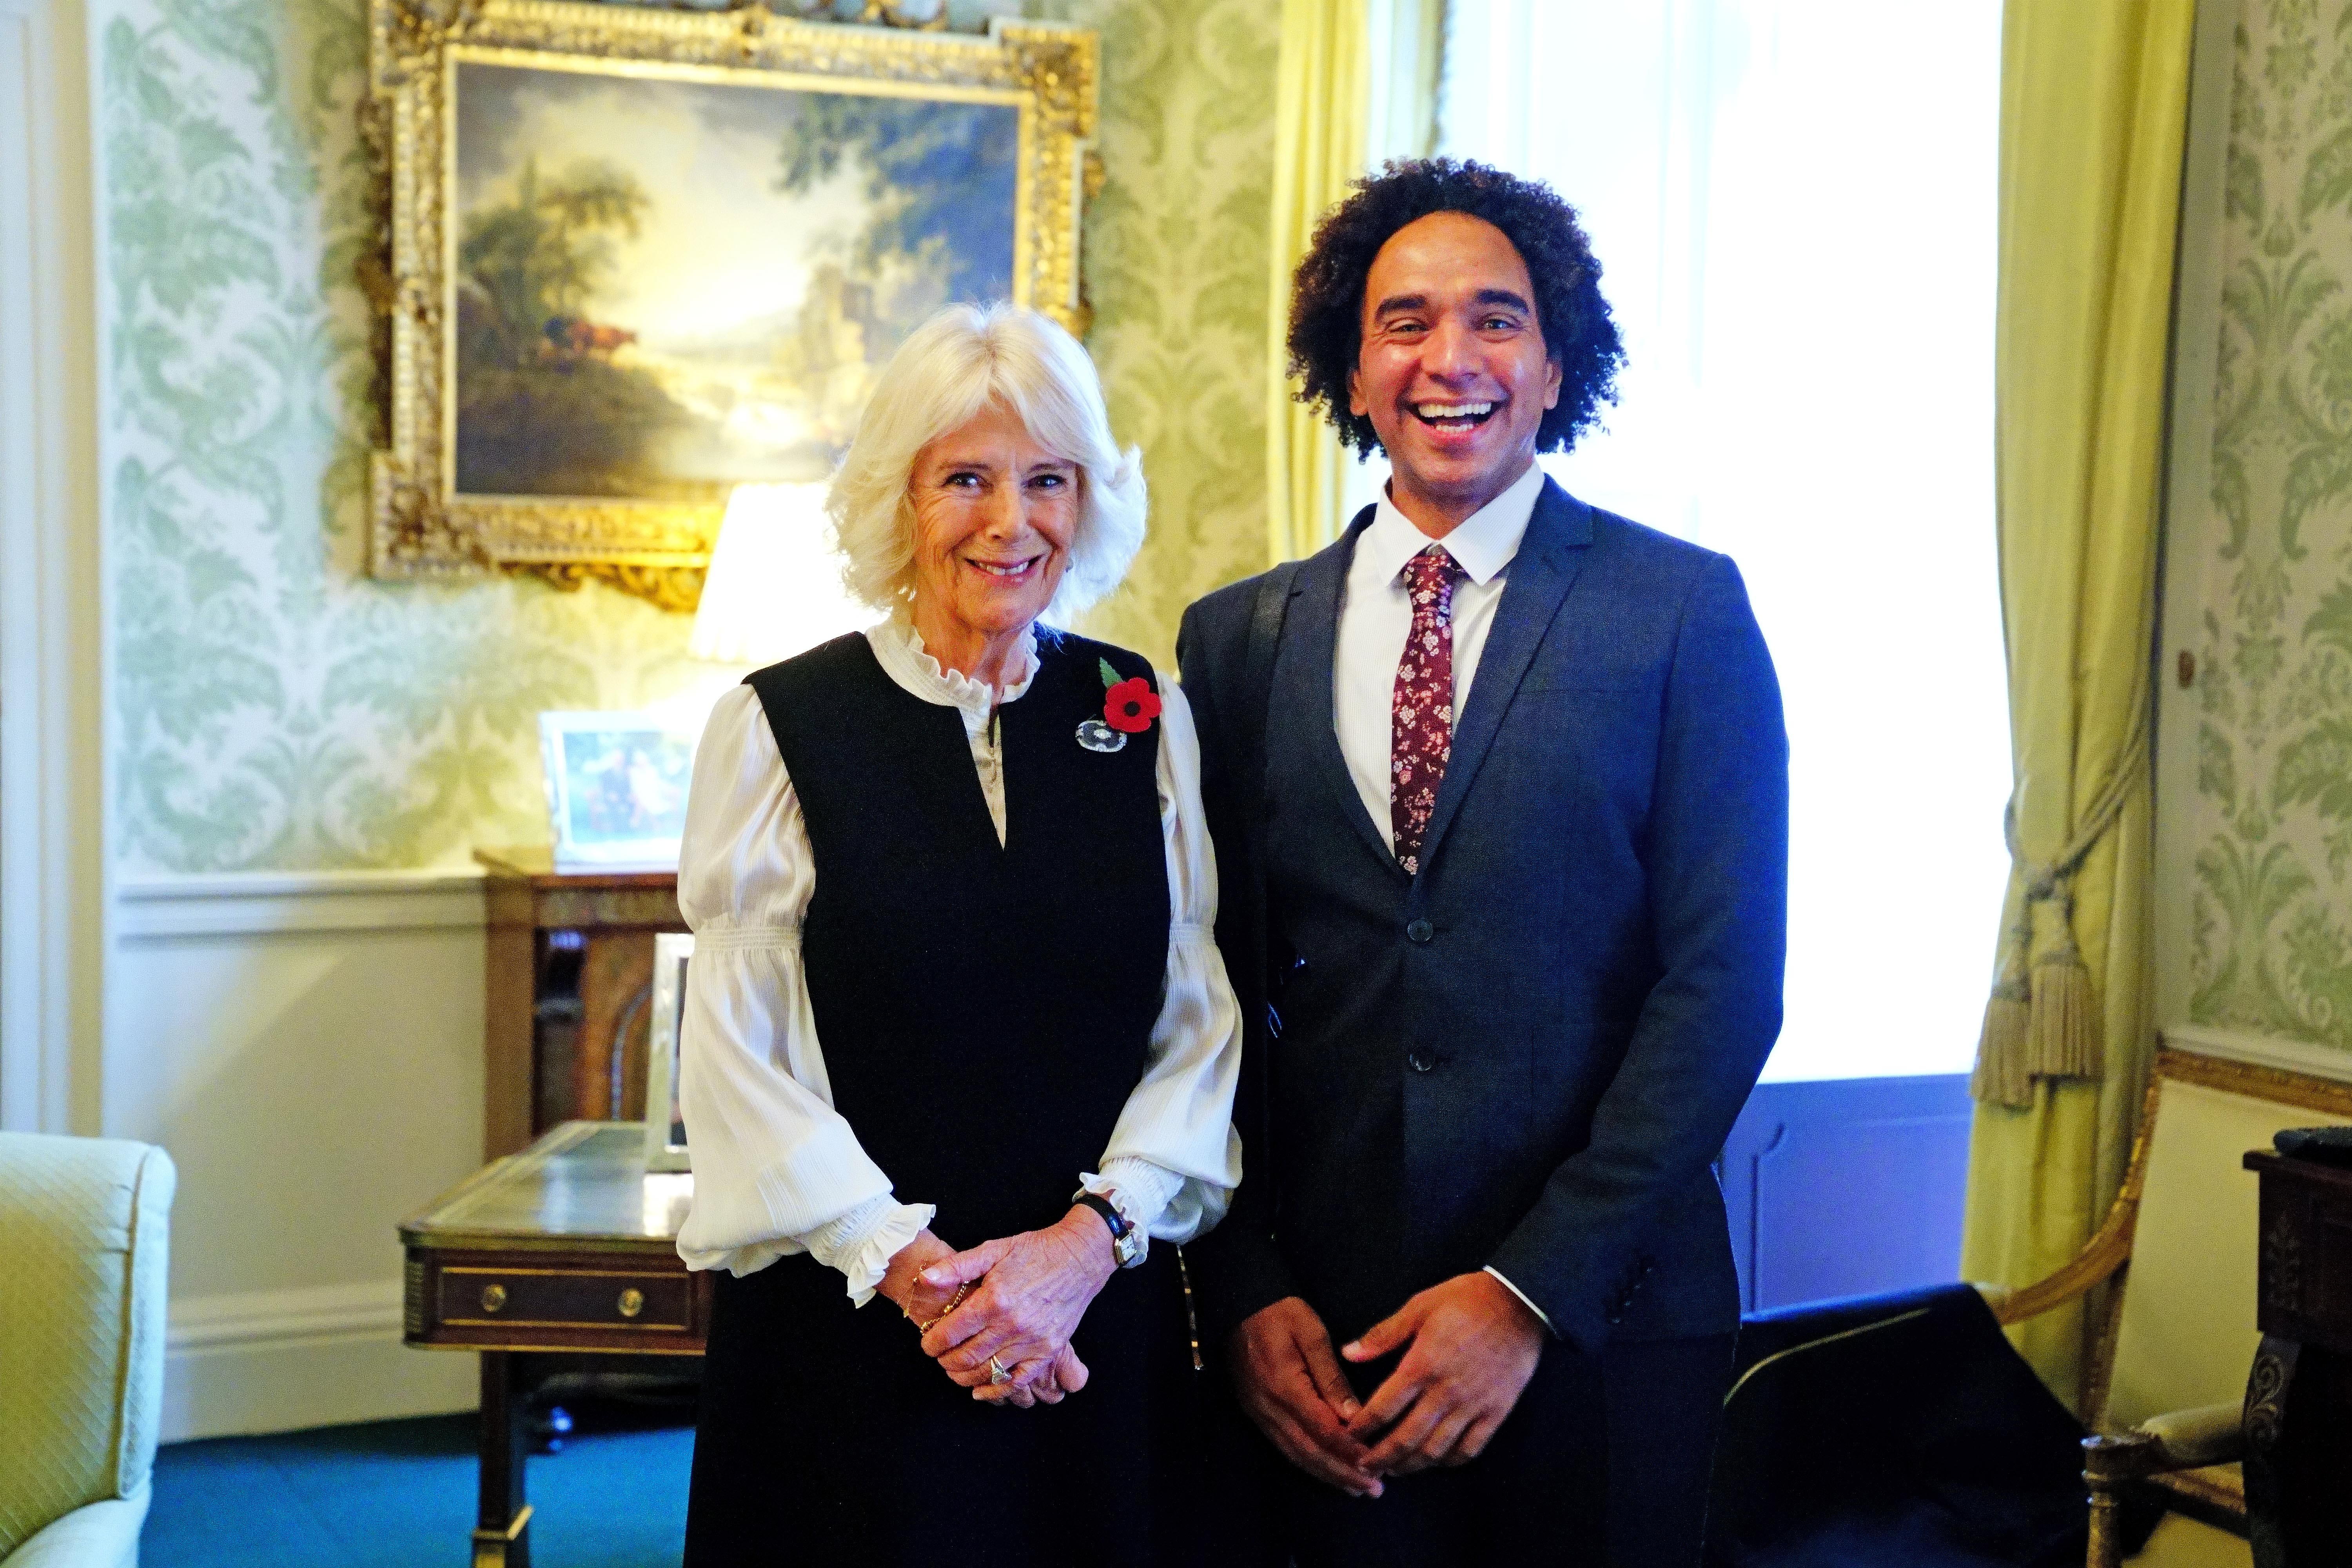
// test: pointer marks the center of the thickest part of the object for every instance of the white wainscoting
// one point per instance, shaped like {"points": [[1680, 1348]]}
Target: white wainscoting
{"points": [[309, 1049], [271, 1361]]}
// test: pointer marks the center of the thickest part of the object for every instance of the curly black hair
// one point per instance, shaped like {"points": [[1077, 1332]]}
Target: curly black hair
{"points": [[1327, 293]]}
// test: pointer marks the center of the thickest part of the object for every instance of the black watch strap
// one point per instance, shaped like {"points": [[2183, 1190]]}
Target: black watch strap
{"points": [[1118, 1223]]}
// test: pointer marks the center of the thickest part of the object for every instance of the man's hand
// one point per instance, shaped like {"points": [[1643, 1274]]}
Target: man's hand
{"points": [[1471, 1346], [1292, 1386], [1035, 1288]]}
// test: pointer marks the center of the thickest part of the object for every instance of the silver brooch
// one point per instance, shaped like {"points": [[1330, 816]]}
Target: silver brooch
{"points": [[1097, 736]]}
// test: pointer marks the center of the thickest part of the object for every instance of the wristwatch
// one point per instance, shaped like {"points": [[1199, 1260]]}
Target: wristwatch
{"points": [[1127, 1243]]}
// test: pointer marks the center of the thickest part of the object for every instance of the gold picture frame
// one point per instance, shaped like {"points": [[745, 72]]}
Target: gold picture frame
{"points": [[425, 524]]}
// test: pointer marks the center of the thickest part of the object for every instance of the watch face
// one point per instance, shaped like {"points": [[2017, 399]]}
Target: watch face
{"points": [[1127, 1249]]}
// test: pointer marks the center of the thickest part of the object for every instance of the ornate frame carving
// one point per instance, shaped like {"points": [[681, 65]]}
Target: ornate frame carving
{"points": [[419, 526]]}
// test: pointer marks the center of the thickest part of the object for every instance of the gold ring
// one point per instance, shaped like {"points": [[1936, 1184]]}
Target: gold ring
{"points": [[996, 1372]]}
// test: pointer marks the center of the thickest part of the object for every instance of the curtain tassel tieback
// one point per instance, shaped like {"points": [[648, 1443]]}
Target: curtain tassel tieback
{"points": [[2062, 1030], [2043, 1019], [2001, 1076]]}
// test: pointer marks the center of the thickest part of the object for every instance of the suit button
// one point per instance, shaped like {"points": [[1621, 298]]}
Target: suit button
{"points": [[1420, 931], [1420, 1061]]}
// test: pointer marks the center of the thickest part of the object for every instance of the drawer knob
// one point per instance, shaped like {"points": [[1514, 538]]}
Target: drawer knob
{"points": [[493, 1298], [632, 1301]]}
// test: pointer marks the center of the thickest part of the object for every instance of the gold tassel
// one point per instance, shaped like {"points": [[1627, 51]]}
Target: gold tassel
{"points": [[2003, 1076], [2062, 1037]]}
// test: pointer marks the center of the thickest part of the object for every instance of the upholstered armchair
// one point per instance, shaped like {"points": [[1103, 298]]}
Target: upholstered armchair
{"points": [[1902, 1429], [85, 1226]]}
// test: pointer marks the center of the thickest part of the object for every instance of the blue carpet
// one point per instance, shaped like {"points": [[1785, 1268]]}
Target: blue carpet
{"points": [[400, 1494]]}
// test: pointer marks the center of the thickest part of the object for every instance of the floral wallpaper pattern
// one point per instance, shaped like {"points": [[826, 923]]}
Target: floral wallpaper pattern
{"points": [[276, 708], [2272, 907], [1176, 265]]}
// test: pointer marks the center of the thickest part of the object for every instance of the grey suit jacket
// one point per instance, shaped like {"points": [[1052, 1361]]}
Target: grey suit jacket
{"points": [[1529, 1055]]}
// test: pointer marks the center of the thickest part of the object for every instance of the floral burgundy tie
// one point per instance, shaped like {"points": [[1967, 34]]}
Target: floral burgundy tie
{"points": [[1421, 716]]}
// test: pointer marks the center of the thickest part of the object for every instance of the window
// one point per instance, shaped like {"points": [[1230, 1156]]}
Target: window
{"points": [[1794, 204]]}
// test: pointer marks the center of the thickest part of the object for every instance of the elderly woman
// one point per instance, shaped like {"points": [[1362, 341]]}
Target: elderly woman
{"points": [[953, 987]]}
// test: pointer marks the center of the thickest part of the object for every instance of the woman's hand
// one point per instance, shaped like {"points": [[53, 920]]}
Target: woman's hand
{"points": [[904, 1286], [1035, 1288], [902, 1283], [1063, 1376]]}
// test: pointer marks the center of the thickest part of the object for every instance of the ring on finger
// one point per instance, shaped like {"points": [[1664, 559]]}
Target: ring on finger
{"points": [[996, 1372]]}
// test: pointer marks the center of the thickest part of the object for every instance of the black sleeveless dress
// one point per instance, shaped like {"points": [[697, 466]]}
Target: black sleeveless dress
{"points": [[984, 1012]]}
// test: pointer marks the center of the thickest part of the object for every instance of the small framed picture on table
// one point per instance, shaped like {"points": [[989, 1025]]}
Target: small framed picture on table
{"points": [[616, 787]]}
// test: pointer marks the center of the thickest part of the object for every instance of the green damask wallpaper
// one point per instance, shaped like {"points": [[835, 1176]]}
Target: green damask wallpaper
{"points": [[1176, 262], [274, 708], [2273, 907]]}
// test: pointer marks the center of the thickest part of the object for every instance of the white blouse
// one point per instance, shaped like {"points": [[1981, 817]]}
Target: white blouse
{"points": [[776, 1168]]}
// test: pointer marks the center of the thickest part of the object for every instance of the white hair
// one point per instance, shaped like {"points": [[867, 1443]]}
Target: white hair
{"points": [[950, 368]]}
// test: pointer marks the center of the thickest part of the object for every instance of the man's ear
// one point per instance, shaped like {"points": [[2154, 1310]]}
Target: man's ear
{"points": [[1551, 382], [1358, 406]]}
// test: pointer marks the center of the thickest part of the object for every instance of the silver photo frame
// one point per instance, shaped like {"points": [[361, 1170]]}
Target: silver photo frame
{"points": [[665, 1128]]}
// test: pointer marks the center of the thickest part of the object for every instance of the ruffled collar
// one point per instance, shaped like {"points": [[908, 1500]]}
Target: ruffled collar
{"points": [[899, 648]]}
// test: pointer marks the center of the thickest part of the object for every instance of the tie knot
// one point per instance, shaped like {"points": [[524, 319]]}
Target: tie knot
{"points": [[1433, 573]]}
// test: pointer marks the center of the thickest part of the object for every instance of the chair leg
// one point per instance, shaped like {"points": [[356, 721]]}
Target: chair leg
{"points": [[2107, 1464]]}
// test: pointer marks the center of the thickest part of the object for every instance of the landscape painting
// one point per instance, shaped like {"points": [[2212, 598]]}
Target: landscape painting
{"points": [[660, 286]]}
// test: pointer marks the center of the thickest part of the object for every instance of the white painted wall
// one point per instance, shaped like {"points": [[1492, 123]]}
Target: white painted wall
{"points": [[309, 1049]]}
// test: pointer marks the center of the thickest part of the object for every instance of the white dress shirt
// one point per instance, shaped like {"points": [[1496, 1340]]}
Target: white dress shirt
{"points": [[776, 1168], [1376, 614], [1375, 617]]}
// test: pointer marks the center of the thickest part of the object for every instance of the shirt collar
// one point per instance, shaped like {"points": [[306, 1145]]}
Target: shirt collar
{"points": [[898, 647], [1482, 545]]}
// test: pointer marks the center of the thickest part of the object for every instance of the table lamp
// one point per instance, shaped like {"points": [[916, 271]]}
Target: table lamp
{"points": [[774, 585]]}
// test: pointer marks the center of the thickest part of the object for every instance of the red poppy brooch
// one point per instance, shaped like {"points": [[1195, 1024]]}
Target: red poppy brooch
{"points": [[1128, 709]]}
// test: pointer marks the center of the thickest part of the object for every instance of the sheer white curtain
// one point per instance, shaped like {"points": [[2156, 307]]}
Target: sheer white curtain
{"points": [[1793, 202]]}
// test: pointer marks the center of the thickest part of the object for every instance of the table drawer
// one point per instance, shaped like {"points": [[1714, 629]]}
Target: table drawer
{"points": [[618, 1300]]}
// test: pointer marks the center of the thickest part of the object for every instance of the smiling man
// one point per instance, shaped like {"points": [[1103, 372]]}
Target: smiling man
{"points": [[1498, 783]]}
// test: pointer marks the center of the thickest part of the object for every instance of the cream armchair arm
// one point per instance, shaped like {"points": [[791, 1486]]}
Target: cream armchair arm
{"points": [[84, 1224], [96, 1535], [2182, 1440]]}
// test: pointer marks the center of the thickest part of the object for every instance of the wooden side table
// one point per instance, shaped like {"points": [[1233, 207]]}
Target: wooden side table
{"points": [[2299, 1397], [568, 1246], [569, 980]]}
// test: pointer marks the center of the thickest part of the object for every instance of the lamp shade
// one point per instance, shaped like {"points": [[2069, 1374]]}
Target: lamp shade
{"points": [[774, 585]]}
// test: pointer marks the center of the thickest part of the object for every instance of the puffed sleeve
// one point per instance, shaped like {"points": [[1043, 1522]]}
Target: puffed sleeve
{"points": [[776, 1168], [1173, 1158]]}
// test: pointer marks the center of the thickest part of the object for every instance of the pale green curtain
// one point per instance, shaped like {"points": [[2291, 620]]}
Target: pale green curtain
{"points": [[1356, 84], [2094, 108]]}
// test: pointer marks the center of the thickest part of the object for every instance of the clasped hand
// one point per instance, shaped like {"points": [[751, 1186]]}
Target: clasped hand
{"points": [[1030, 1292], [1470, 1346]]}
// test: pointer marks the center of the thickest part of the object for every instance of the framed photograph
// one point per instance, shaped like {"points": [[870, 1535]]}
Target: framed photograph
{"points": [[616, 787], [639, 255], [665, 1128]]}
